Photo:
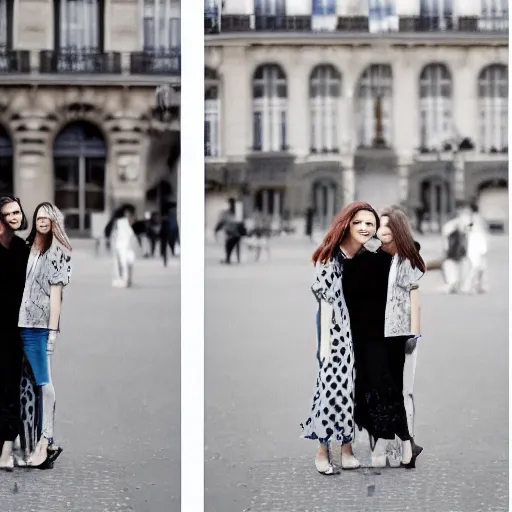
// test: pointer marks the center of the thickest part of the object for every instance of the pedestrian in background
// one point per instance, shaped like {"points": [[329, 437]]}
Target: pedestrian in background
{"points": [[455, 241], [169, 232], [233, 231], [124, 243], [476, 253], [153, 231], [310, 214]]}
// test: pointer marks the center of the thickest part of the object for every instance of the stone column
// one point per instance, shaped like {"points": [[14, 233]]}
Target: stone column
{"points": [[33, 24], [277, 204], [405, 103], [404, 164], [330, 203], [264, 202], [407, 7], [347, 124], [235, 74], [349, 179], [298, 104], [465, 98], [459, 178], [123, 30]]}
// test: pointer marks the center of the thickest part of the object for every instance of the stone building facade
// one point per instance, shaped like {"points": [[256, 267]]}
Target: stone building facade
{"points": [[79, 120], [316, 104]]}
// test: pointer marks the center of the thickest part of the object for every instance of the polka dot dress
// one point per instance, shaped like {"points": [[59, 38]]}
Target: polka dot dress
{"points": [[332, 412]]}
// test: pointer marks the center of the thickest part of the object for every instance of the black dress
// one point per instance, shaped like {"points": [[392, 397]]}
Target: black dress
{"points": [[13, 265], [379, 361]]}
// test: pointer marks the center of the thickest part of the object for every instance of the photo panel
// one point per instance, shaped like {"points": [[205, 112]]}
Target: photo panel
{"points": [[372, 141], [90, 364]]}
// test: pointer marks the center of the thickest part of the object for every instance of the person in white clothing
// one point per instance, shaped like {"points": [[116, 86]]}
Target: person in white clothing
{"points": [[124, 242], [455, 241], [477, 254]]}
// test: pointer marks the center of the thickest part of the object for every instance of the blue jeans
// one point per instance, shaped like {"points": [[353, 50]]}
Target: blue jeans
{"points": [[34, 347]]}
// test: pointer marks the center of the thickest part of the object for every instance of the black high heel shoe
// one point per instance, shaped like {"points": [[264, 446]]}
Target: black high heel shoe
{"points": [[46, 464], [53, 453], [416, 450]]}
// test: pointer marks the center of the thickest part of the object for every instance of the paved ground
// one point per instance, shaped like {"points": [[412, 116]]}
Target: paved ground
{"points": [[260, 372], [117, 378]]}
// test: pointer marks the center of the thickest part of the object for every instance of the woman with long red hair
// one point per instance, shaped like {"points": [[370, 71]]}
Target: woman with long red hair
{"points": [[332, 412]]}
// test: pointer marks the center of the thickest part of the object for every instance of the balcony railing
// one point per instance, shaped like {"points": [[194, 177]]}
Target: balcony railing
{"points": [[167, 62], [79, 62], [14, 61], [360, 24]]}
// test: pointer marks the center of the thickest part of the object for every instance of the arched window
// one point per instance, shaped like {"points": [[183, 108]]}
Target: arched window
{"points": [[494, 16], [374, 107], [212, 122], [436, 125], [80, 155], [324, 93], [325, 205], [493, 108], [269, 105]]}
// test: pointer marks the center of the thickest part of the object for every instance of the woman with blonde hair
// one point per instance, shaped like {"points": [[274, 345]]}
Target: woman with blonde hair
{"points": [[48, 272]]}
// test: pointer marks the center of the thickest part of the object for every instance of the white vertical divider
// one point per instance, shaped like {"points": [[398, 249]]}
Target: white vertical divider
{"points": [[192, 255]]}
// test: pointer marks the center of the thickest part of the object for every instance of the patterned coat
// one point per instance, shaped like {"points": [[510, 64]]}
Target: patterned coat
{"points": [[332, 412], [402, 279]]}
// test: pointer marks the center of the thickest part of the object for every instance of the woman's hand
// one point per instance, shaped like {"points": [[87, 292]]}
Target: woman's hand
{"points": [[50, 344]]}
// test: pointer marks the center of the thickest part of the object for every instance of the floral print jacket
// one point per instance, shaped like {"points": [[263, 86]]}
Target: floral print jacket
{"points": [[402, 279]]}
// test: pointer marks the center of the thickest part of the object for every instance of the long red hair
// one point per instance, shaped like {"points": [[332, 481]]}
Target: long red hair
{"points": [[339, 230], [402, 235]]}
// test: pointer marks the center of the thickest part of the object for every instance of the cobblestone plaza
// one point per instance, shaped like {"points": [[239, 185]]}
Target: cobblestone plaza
{"points": [[260, 375]]}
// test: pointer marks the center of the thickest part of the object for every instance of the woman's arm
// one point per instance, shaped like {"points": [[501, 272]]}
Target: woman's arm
{"points": [[55, 306], [415, 310]]}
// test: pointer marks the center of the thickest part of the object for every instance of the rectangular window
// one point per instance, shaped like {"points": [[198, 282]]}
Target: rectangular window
{"points": [[161, 25], [270, 7], [211, 8], [382, 16], [323, 8], [79, 25], [5, 24]]}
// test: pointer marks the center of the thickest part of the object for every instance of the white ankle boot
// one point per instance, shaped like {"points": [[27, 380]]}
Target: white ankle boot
{"points": [[379, 461], [6, 458], [349, 462]]}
